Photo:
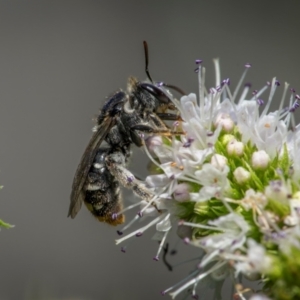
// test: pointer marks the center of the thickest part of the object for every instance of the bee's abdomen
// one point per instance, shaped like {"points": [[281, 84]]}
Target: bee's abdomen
{"points": [[102, 192]]}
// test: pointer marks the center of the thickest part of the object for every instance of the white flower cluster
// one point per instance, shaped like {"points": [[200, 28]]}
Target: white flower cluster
{"points": [[239, 155]]}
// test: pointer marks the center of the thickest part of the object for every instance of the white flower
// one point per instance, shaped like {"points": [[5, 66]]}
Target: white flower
{"points": [[270, 134], [260, 160], [152, 142], [182, 192], [235, 173], [241, 175], [225, 122], [256, 260], [212, 176], [254, 200], [294, 218], [235, 148], [219, 161], [278, 190]]}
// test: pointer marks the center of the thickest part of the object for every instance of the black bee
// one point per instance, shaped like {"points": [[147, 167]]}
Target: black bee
{"points": [[122, 120]]}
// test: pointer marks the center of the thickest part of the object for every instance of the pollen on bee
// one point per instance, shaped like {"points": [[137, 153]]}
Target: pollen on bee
{"points": [[92, 187], [120, 219]]}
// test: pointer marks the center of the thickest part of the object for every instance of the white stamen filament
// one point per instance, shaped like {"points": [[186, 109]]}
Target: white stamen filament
{"points": [[161, 244], [229, 93], [239, 84], [217, 71], [259, 93], [141, 230], [150, 156], [129, 207], [272, 92], [194, 225], [244, 94], [286, 85], [197, 279]]}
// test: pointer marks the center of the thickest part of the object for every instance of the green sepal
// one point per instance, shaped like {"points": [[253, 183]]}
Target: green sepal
{"points": [[277, 207], [283, 277]]}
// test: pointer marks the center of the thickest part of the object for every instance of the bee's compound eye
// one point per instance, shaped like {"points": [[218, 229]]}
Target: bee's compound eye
{"points": [[156, 92]]}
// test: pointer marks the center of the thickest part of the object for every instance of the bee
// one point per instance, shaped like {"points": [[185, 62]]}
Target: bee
{"points": [[122, 121]]}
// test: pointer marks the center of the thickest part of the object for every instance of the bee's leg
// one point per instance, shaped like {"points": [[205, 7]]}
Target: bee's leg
{"points": [[115, 162], [169, 117], [157, 121], [160, 131]]}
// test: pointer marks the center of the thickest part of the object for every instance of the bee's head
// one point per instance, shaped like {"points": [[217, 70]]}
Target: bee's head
{"points": [[162, 97], [149, 96]]}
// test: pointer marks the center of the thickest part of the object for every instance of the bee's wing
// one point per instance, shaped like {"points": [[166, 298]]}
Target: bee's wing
{"points": [[85, 165]]}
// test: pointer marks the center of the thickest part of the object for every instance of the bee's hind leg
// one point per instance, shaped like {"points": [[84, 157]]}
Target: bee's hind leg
{"points": [[115, 162]]}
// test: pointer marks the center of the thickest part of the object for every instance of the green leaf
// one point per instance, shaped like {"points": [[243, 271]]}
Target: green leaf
{"points": [[5, 225]]}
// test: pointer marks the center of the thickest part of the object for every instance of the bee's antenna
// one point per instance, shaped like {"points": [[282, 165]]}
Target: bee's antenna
{"points": [[175, 88], [147, 60]]}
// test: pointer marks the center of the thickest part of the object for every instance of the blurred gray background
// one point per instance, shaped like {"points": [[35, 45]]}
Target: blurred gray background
{"points": [[58, 62]]}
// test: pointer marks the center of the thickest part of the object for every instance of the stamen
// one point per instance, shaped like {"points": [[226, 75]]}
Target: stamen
{"points": [[195, 131], [142, 230], [226, 204], [151, 157], [179, 283], [187, 144], [293, 122], [208, 258], [273, 89], [189, 260], [190, 179], [197, 279], [287, 114], [217, 71], [294, 107], [228, 91], [161, 244], [203, 226], [286, 85], [247, 66], [246, 89], [115, 215], [133, 220], [260, 102], [152, 202], [200, 94], [258, 93]]}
